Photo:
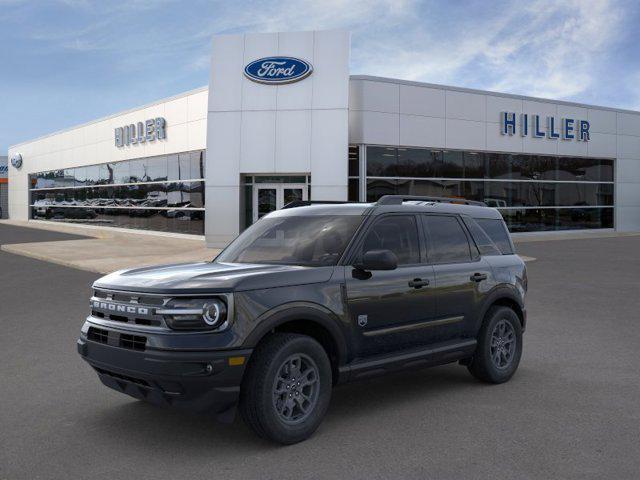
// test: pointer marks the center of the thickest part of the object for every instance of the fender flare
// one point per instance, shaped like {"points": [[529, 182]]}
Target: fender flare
{"points": [[497, 294], [311, 312]]}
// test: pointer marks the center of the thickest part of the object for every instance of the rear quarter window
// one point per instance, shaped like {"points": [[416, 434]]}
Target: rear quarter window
{"points": [[485, 245], [498, 233]]}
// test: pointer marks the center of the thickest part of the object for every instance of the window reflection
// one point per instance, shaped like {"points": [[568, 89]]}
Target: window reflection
{"points": [[534, 192], [180, 221], [120, 194]]}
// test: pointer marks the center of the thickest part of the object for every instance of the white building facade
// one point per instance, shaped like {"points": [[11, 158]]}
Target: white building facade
{"points": [[282, 120]]}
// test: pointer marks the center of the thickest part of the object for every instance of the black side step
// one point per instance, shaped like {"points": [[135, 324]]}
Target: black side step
{"points": [[423, 357]]}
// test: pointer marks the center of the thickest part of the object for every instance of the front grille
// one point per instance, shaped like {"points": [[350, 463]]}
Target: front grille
{"points": [[130, 298], [131, 308], [126, 378], [98, 335], [133, 342]]}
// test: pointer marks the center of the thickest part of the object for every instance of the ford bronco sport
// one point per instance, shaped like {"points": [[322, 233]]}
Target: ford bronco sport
{"points": [[309, 297]]}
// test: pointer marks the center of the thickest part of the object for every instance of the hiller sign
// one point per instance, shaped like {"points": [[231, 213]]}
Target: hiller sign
{"points": [[147, 131], [532, 125]]}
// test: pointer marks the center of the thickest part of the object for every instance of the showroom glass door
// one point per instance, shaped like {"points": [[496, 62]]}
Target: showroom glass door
{"points": [[268, 197]]}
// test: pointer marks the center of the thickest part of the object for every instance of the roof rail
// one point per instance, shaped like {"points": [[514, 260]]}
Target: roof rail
{"points": [[306, 203], [399, 199]]}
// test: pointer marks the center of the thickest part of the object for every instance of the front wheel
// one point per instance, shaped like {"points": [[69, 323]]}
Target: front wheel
{"points": [[499, 346], [287, 388]]}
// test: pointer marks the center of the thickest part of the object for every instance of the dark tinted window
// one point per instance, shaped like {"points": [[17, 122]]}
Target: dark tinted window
{"points": [[485, 245], [354, 161], [397, 233], [497, 231], [447, 241], [382, 161]]}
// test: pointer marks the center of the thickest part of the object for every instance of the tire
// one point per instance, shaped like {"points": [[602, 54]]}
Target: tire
{"points": [[496, 360], [275, 404]]}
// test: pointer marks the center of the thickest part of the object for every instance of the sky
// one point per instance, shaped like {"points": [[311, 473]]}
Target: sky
{"points": [[66, 62]]}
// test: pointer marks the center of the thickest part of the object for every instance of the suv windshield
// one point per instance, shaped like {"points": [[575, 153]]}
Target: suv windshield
{"points": [[316, 240]]}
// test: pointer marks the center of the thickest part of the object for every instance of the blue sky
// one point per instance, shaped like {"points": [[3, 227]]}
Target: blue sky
{"points": [[65, 62]]}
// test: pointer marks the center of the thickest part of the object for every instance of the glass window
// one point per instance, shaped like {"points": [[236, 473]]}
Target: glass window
{"points": [[475, 165], [197, 164], [417, 162], [196, 194], [173, 167], [157, 169], [447, 241], [485, 244], [441, 188], [317, 240], [354, 190], [69, 177], [138, 171], [121, 172], [497, 231], [498, 165], [178, 194], [105, 174], [80, 176], [280, 179], [585, 169], [576, 194], [377, 188], [606, 170], [452, 164], [397, 233], [58, 178], [184, 166], [92, 175], [354, 161], [382, 161], [534, 167]]}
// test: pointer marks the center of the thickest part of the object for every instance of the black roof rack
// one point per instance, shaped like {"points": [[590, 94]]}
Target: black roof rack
{"points": [[306, 203], [399, 199]]}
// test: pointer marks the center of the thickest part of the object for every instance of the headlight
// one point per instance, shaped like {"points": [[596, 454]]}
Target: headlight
{"points": [[214, 312], [195, 314]]}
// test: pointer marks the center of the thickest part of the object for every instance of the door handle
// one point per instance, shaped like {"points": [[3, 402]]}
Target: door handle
{"points": [[418, 283], [478, 277]]}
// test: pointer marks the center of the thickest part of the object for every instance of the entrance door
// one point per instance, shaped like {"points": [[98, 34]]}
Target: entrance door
{"points": [[268, 197]]}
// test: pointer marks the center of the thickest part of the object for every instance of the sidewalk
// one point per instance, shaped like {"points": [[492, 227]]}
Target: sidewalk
{"points": [[110, 249]]}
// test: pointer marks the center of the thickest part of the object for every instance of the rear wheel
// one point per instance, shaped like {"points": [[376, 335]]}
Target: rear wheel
{"points": [[499, 346], [287, 388]]}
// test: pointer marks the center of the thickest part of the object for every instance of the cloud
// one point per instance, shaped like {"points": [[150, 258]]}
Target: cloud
{"points": [[547, 49], [554, 50], [115, 55], [541, 48]]}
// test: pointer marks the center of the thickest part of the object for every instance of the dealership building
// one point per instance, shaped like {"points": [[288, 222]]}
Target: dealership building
{"points": [[282, 120]]}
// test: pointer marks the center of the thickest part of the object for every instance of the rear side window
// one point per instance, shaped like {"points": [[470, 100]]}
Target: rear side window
{"points": [[397, 233], [484, 243], [447, 241], [497, 231]]}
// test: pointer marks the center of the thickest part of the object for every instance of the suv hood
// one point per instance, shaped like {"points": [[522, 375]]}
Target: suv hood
{"points": [[208, 277]]}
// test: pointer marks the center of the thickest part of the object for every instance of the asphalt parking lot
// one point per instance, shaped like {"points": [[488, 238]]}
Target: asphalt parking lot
{"points": [[571, 412]]}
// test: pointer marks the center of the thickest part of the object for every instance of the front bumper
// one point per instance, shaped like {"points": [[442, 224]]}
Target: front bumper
{"points": [[201, 381]]}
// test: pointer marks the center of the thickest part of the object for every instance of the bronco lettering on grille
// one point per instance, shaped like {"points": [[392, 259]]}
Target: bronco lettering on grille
{"points": [[115, 307]]}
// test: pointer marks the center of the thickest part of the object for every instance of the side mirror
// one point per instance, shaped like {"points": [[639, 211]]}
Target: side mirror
{"points": [[378, 260]]}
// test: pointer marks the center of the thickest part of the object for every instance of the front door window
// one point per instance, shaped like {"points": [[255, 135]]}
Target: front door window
{"points": [[268, 197], [292, 195], [267, 201]]}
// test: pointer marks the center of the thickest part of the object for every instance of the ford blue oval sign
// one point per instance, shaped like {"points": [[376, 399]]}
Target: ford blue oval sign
{"points": [[278, 70]]}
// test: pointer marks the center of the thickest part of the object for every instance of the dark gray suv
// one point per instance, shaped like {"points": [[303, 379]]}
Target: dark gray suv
{"points": [[308, 297]]}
